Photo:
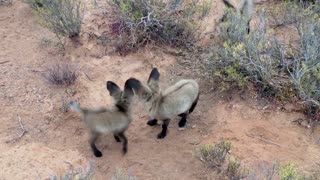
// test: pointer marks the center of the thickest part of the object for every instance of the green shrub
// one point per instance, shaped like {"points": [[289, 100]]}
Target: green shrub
{"points": [[242, 57], [173, 23], [305, 68], [214, 156], [288, 172], [235, 171], [63, 17], [277, 69]]}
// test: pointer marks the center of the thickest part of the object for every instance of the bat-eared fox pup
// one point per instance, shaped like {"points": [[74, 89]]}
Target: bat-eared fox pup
{"points": [[179, 99], [105, 121]]}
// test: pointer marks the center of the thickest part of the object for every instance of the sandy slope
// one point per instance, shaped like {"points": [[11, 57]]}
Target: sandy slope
{"points": [[55, 138]]}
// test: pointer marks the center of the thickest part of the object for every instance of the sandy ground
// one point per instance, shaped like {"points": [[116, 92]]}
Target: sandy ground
{"points": [[56, 139]]}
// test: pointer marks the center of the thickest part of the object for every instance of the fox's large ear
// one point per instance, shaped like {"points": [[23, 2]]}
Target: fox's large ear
{"points": [[243, 7], [114, 90], [228, 4], [132, 85], [154, 75], [153, 81]]}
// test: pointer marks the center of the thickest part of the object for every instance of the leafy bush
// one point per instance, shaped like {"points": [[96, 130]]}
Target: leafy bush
{"points": [[121, 175], [172, 23], [288, 172], [63, 17], [242, 57], [61, 74], [215, 155], [276, 69], [304, 69]]}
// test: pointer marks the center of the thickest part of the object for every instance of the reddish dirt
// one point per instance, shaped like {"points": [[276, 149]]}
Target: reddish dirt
{"points": [[55, 139]]}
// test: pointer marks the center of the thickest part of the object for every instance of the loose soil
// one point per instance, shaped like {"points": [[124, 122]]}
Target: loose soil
{"points": [[260, 132]]}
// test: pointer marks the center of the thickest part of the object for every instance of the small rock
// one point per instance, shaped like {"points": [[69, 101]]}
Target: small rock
{"points": [[70, 92], [182, 129], [193, 126]]}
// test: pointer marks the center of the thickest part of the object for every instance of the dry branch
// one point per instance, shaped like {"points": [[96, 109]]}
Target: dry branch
{"points": [[89, 78], [22, 130], [3, 62], [264, 140]]}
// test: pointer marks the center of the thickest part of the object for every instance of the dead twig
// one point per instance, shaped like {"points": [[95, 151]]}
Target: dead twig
{"points": [[3, 62], [299, 121], [87, 76], [22, 129], [69, 163], [262, 139]]}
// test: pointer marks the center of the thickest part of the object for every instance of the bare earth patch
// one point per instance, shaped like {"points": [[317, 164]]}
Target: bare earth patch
{"points": [[55, 137]]}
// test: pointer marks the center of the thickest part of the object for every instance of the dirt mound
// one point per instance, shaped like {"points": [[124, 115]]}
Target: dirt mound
{"points": [[55, 138]]}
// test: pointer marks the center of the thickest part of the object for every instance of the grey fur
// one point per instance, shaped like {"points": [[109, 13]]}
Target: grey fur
{"points": [[105, 121], [245, 9], [165, 105]]}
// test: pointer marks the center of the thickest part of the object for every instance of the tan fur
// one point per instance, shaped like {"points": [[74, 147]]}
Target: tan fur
{"points": [[245, 9], [175, 100], [105, 121], [178, 99], [246, 6]]}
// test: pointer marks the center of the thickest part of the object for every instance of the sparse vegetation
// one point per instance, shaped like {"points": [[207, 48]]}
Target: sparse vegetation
{"points": [[61, 74], [288, 172], [120, 174], [214, 155], [235, 171], [275, 68], [2, 2], [63, 17], [50, 43], [264, 172], [241, 58], [304, 69], [172, 23], [76, 174], [283, 13]]}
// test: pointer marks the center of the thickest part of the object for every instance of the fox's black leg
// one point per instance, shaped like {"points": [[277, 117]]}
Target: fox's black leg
{"points": [[183, 120], [116, 137], [152, 122], [165, 125], [92, 140], [125, 142]]}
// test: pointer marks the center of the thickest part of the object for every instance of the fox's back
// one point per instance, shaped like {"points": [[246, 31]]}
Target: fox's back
{"points": [[107, 122], [178, 98]]}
